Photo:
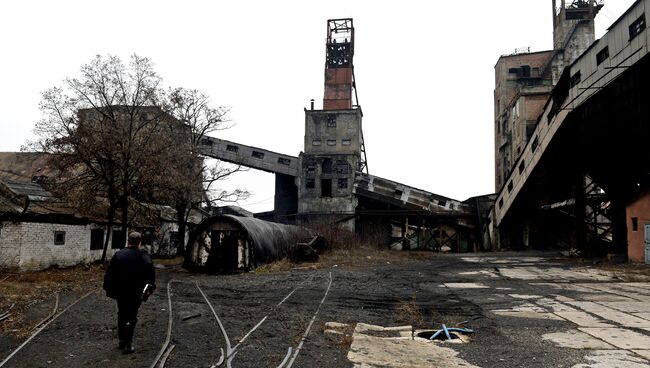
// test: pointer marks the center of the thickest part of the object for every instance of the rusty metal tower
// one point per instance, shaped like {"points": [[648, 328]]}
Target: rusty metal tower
{"points": [[340, 92]]}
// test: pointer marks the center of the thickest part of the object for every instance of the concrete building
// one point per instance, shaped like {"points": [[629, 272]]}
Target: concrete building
{"points": [[582, 178], [329, 182], [38, 230], [524, 81]]}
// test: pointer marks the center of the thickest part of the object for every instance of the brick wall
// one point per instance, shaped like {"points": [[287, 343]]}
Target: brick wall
{"points": [[639, 210], [29, 246]]}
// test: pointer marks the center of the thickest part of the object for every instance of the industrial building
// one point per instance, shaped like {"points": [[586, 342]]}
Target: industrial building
{"points": [[571, 126], [329, 182]]}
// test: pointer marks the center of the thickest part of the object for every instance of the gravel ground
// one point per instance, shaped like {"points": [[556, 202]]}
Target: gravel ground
{"points": [[435, 289]]}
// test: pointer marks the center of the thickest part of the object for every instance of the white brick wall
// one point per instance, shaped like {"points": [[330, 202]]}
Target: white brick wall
{"points": [[30, 246]]}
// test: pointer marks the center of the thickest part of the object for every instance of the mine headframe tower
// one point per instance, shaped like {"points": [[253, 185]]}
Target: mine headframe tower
{"points": [[334, 150]]}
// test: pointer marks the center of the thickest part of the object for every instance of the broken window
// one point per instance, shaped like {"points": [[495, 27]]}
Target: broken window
{"points": [[96, 239], [602, 55], [635, 224], [346, 142], [206, 142], [442, 203], [637, 26], [575, 79], [331, 142], [343, 183], [398, 192], [535, 143], [258, 154], [310, 169], [331, 121], [118, 239], [326, 166], [342, 167], [59, 237], [232, 148], [310, 183], [284, 161], [316, 142], [326, 188]]}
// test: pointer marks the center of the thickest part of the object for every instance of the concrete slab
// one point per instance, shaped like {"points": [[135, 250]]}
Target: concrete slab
{"points": [[527, 314], [372, 351], [644, 315], [466, 285], [613, 358], [563, 286], [613, 288], [619, 337], [643, 353], [524, 296], [583, 319], [575, 339], [630, 306], [622, 318]]}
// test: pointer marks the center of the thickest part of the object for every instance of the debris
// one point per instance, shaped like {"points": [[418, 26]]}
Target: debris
{"points": [[445, 332], [188, 317]]}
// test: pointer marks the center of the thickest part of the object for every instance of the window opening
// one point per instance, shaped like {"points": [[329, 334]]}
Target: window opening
{"points": [[635, 224], [258, 154], [602, 55], [232, 148], [331, 142], [575, 79], [310, 183], [316, 142], [343, 183], [118, 239], [637, 26], [284, 161], [96, 239], [331, 121], [59, 237]]}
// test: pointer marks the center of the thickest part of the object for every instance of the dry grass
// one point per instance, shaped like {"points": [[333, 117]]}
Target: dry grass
{"points": [[281, 265], [409, 313], [22, 290]]}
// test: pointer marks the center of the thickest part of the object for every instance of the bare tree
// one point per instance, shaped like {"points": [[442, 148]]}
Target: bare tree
{"points": [[104, 131], [193, 178]]}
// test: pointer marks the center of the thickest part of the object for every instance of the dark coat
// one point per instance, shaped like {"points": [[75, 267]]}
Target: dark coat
{"points": [[127, 274]]}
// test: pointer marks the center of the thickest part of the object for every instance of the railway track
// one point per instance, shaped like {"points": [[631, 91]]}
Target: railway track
{"points": [[230, 352], [38, 328]]}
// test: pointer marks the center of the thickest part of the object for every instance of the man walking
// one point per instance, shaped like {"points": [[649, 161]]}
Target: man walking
{"points": [[127, 275]]}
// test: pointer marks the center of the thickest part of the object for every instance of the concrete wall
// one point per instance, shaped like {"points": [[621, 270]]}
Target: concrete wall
{"points": [[516, 103], [311, 199], [340, 136], [639, 209], [594, 77], [29, 246]]}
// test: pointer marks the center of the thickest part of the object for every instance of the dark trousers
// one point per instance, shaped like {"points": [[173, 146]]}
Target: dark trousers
{"points": [[127, 317]]}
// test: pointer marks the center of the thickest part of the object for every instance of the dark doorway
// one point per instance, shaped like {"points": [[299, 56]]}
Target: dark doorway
{"points": [[326, 187]]}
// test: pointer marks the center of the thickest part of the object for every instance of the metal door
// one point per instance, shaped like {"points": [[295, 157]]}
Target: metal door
{"points": [[646, 237]]}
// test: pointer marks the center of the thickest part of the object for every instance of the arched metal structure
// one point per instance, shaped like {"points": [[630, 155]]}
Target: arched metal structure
{"points": [[228, 243]]}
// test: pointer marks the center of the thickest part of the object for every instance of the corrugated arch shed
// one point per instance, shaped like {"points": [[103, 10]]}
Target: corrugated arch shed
{"points": [[258, 241]]}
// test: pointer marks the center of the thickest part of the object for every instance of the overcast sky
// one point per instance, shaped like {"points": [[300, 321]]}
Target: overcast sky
{"points": [[424, 71]]}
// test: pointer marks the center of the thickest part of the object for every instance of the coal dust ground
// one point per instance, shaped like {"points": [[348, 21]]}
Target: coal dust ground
{"points": [[522, 307]]}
